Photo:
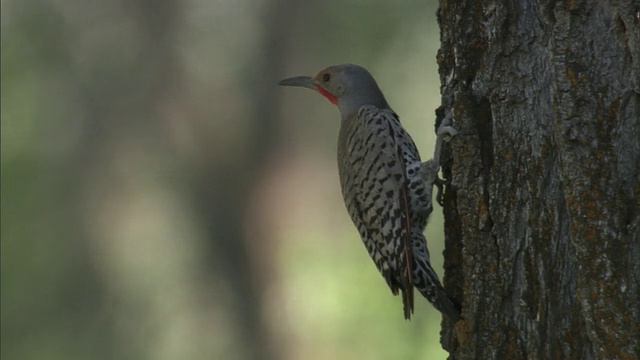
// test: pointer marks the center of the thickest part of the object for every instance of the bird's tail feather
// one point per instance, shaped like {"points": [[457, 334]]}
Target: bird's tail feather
{"points": [[447, 306], [441, 301], [427, 282]]}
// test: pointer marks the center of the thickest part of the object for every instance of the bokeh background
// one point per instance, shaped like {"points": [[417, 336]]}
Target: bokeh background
{"points": [[162, 198]]}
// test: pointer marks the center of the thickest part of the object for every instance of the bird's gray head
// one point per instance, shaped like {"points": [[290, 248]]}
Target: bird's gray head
{"points": [[348, 86]]}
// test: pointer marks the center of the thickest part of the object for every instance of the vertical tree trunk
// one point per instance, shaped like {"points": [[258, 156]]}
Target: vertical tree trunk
{"points": [[543, 214]]}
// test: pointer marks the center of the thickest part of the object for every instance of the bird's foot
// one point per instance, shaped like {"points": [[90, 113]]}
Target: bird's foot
{"points": [[440, 183], [446, 131]]}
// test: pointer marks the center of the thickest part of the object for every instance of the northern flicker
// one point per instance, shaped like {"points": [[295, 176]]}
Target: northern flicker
{"points": [[386, 188]]}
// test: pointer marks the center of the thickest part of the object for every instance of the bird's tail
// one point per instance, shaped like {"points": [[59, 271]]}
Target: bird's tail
{"points": [[431, 289], [446, 305], [427, 282]]}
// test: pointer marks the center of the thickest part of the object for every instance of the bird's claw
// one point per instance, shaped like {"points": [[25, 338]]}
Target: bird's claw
{"points": [[445, 130], [446, 133], [440, 183]]}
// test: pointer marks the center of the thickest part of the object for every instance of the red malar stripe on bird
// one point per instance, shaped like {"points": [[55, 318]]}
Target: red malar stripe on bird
{"points": [[332, 98]]}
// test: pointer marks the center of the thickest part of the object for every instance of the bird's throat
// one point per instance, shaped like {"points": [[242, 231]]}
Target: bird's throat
{"points": [[332, 98]]}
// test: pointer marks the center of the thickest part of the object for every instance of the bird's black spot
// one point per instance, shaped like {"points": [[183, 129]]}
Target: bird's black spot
{"points": [[326, 77]]}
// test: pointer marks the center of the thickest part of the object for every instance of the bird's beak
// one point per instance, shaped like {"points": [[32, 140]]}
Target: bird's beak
{"points": [[301, 81]]}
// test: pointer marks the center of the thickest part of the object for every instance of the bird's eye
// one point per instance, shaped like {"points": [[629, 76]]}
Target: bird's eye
{"points": [[326, 77]]}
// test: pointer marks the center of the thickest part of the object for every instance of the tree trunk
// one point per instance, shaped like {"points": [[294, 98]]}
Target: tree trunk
{"points": [[542, 216]]}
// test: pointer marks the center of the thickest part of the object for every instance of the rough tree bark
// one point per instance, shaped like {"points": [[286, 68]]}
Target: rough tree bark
{"points": [[543, 214]]}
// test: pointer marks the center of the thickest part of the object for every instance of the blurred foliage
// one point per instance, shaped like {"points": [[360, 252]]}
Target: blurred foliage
{"points": [[163, 199]]}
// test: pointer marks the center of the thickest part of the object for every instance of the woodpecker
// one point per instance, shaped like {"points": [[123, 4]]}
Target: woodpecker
{"points": [[386, 188]]}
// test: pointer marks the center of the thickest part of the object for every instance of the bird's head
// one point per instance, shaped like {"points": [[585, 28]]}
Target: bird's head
{"points": [[347, 86]]}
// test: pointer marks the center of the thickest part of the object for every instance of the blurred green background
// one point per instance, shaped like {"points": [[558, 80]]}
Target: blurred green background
{"points": [[162, 198]]}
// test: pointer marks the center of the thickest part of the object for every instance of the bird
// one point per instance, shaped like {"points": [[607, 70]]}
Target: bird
{"points": [[386, 188]]}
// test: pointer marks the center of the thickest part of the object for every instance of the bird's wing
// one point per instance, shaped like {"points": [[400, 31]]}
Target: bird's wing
{"points": [[374, 184]]}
